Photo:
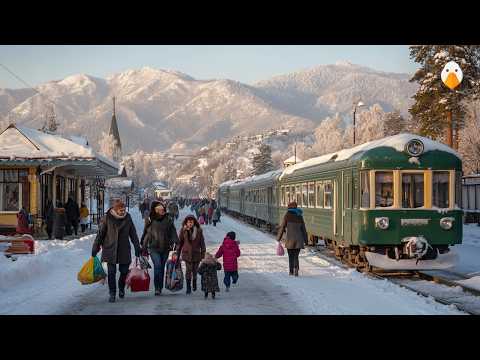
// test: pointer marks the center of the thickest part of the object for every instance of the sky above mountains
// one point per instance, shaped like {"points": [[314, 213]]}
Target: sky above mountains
{"points": [[245, 63]]}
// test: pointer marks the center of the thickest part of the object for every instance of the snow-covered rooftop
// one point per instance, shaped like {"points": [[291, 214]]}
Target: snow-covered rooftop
{"points": [[397, 142], [118, 183], [245, 181], [18, 142]]}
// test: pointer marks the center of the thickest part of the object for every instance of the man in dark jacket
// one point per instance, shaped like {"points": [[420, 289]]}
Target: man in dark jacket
{"points": [[159, 236], [72, 212], [294, 224], [113, 237]]}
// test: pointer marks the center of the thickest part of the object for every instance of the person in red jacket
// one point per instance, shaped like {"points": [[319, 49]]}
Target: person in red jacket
{"points": [[230, 252]]}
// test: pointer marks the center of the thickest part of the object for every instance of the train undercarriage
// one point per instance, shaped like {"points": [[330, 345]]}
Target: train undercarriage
{"points": [[413, 254]]}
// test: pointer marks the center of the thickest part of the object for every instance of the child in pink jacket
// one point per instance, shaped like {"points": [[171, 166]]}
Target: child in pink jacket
{"points": [[230, 252]]}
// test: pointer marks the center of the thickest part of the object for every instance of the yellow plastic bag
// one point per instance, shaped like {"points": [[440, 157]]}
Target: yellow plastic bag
{"points": [[85, 275]]}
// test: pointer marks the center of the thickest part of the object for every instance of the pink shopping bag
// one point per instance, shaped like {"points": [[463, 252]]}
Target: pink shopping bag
{"points": [[280, 250]]}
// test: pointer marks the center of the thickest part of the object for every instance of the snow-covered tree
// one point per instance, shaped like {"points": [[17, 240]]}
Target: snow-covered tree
{"points": [[469, 145], [394, 123], [433, 99], [262, 161], [108, 145], [328, 136]]}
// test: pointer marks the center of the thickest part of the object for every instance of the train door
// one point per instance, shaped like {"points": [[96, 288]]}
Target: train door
{"points": [[337, 205], [241, 194], [347, 206], [270, 203]]}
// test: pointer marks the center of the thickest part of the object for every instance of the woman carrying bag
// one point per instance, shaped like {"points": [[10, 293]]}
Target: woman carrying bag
{"points": [[159, 237]]}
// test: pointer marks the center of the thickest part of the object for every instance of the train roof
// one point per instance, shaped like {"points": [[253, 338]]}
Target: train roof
{"points": [[395, 142], [257, 179]]}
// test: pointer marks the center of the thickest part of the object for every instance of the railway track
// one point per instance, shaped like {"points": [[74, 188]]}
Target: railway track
{"points": [[431, 284]]}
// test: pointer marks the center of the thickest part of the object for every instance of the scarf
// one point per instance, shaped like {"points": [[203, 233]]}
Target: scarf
{"points": [[116, 216], [296, 211]]}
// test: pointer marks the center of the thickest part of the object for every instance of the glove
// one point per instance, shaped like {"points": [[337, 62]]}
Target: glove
{"points": [[94, 253]]}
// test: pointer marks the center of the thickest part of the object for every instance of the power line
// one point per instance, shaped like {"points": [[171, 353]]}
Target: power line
{"points": [[28, 85]]}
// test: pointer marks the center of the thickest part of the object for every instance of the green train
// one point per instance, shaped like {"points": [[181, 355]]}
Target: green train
{"points": [[388, 204]]}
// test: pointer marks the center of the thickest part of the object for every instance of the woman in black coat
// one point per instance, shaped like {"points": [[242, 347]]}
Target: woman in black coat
{"points": [[113, 237], [159, 236]]}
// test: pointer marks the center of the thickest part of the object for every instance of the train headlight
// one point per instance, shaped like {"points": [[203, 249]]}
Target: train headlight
{"points": [[382, 223], [414, 147], [446, 223]]}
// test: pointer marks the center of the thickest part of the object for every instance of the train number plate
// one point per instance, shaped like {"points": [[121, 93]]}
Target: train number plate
{"points": [[414, 222]]}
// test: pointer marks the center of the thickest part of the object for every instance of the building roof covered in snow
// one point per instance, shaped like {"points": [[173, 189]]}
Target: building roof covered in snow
{"points": [[19, 145], [119, 183]]}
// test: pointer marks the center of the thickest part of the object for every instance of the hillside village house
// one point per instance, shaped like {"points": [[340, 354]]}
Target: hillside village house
{"points": [[36, 166]]}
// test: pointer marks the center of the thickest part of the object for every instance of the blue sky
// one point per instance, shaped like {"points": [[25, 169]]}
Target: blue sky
{"points": [[245, 63]]}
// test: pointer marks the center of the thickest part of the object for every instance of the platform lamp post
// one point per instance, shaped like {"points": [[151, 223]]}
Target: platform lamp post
{"points": [[355, 106]]}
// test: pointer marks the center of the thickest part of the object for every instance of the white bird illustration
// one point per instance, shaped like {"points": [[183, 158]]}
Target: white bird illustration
{"points": [[452, 75]]}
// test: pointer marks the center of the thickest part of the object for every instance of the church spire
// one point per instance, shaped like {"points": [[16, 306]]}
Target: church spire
{"points": [[116, 135]]}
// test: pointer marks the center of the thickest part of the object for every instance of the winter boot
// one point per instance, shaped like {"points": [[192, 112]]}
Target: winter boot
{"points": [[213, 295], [121, 293], [194, 284], [189, 287], [206, 294], [227, 289], [296, 272], [158, 292], [111, 298]]}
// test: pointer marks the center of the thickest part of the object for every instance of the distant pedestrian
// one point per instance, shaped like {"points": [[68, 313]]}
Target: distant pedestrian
{"points": [[49, 214], [210, 213], [294, 224], [230, 252], [208, 270], [191, 249], [216, 216], [84, 213], [72, 212]]}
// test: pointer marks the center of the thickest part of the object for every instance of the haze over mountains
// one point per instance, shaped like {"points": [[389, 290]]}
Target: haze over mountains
{"points": [[163, 109]]}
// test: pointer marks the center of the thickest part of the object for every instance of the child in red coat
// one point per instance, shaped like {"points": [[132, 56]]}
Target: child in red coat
{"points": [[230, 252]]}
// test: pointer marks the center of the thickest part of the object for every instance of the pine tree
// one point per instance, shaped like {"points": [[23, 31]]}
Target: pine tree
{"points": [[394, 123], [433, 99], [262, 161]]}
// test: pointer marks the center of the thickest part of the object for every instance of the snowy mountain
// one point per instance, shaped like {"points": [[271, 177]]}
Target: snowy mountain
{"points": [[325, 90], [162, 109]]}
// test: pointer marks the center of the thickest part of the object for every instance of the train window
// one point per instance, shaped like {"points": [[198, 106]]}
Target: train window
{"points": [[355, 193], [346, 193], [305, 195], [327, 194], [364, 189], [440, 189], [287, 195], [412, 190], [292, 194], [298, 195], [311, 195], [319, 186], [383, 188]]}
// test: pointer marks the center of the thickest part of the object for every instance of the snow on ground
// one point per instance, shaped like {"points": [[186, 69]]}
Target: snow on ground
{"points": [[46, 283], [468, 252]]}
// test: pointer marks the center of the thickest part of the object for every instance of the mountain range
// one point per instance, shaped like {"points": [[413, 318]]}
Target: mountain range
{"points": [[163, 109]]}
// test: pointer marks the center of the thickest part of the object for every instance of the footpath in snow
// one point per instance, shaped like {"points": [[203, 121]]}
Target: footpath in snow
{"points": [[46, 283]]}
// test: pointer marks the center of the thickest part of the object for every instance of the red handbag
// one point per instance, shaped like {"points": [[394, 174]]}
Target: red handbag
{"points": [[138, 279]]}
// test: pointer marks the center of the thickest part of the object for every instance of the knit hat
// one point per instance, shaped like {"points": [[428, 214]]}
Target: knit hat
{"points": [[118, 204], [292, 205], [231, 235]]}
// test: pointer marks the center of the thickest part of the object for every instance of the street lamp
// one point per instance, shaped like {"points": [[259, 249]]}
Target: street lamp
{"points": [[355, 106]]}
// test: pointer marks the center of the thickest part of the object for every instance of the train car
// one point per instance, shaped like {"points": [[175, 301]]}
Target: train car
{"points": [[391, 203]]}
